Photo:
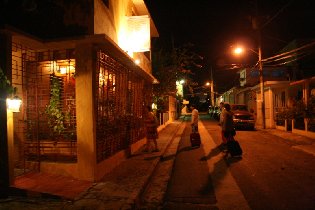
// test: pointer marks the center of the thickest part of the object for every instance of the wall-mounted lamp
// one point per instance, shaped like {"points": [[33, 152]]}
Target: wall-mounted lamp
{"points": [[14, 104], [137, 61]]}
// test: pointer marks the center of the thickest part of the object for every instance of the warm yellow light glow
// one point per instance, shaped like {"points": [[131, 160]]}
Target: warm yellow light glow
{"points": [[137, 61], [130, 54], [62, 67], [63, 70], [14, 104], [136, 36], [238, 50], [208, 83], [180, 88], [180, 82], [154, 106]]}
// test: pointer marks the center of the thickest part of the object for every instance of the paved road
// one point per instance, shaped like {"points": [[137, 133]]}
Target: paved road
{"points": [[190, 185], [272, 174]]}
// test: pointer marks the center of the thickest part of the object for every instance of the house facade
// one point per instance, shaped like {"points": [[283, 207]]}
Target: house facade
{"points": [[296, 112], [288, 104], [248, 92], [83, 97]]}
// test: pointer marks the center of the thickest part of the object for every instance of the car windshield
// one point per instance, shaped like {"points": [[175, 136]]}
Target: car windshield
{"points": [[239, 107]]}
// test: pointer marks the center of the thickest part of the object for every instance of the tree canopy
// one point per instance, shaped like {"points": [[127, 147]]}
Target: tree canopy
{"points": [[174, 65]]}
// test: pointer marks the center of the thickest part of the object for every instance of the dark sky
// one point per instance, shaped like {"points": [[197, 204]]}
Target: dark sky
{"points": [[213, 26]]}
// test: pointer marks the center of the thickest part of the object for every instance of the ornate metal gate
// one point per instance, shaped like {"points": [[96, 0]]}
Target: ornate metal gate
{"points": [[45, 129], [121, 98]]}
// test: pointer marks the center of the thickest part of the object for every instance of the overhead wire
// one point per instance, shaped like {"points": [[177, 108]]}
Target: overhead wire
{"points": [[286, 62], [279, 11], [289, 52]]}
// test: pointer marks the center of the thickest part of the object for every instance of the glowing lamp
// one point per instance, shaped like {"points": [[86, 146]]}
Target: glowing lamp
{"points": [[154, 106], [14, 104], [238, 50], [138, 34], [63, 70], [137, 61]]}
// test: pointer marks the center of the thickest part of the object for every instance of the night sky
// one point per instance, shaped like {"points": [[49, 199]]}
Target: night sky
{"points": [[214, 26]]}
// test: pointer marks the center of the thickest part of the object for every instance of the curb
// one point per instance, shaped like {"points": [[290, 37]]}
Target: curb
{"points": [[135, 199]]}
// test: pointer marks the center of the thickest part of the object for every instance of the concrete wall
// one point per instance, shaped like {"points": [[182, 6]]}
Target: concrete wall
{"points": [[104, 21], [111, 22]]}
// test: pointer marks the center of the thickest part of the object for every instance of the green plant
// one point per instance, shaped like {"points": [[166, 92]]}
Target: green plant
{"points": [[5, 84], [298, 111], [54, 109]]}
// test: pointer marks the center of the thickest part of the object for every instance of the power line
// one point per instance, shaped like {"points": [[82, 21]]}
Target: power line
{"points": [[273, 17], [282, 55]]}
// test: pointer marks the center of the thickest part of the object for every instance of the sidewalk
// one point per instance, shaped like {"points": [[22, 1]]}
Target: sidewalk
{"points": [[120, 189], [302, 142]]}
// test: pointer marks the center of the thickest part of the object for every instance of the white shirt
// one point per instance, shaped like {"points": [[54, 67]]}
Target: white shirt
{"points": [[194, 116]]}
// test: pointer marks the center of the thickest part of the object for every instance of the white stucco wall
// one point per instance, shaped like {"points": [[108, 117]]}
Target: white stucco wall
{"points": [[104, 20], [111, 22]]}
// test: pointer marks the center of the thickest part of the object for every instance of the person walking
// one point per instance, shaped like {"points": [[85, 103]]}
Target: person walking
{"points": [[194, 118], [151, 124], [227, 123], [233, 147], [222, 110]]}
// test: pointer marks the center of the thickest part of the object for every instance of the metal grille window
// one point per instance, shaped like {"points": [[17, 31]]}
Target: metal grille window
{"points": [[121, 95], [46, 125]]}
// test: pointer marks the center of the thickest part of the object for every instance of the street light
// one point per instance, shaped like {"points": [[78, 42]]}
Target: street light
{"points": [[240, 50]]}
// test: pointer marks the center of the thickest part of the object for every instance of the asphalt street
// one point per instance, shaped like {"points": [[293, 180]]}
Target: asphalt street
{"points": [[272, 173], [276, 171]]}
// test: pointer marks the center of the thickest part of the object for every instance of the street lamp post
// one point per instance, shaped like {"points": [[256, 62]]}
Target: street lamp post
{"points": [[261, 79], [239, 50]]}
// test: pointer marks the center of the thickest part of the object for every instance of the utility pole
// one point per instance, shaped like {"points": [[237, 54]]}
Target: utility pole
{"points": [[261, 79], [256, 24], [211, 88]]}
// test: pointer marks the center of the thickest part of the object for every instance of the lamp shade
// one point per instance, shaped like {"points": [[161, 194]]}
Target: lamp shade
{"points": [[14, 104]]}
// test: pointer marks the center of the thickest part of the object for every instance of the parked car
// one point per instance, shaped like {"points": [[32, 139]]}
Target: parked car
{"points": [[242, 117], [214, 112]]}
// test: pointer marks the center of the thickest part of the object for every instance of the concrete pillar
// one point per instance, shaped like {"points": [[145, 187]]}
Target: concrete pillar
{"points": [[10, 135], [172, 108], [259, 106], [85, 112], [272, 123], [306, 91]]}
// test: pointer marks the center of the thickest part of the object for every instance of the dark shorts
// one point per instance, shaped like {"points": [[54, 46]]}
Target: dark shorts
{"points": [[194, 128], [151, 133]]}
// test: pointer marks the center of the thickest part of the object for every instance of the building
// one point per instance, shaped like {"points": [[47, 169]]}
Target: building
{"points": [[84, 85], [285, 87]]}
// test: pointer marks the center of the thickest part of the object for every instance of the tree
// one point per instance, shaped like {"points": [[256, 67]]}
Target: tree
{"points": [[169, 67]]}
